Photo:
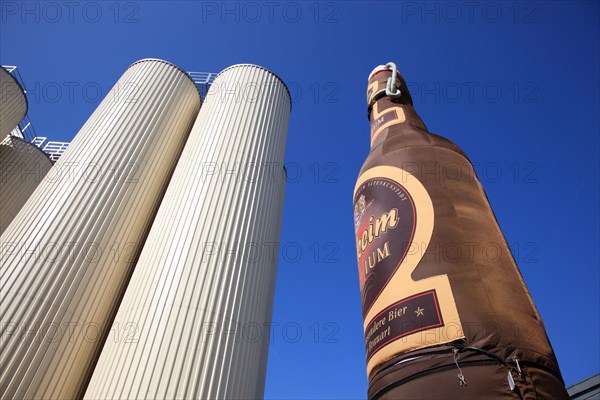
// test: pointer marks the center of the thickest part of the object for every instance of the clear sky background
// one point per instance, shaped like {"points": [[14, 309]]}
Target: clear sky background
{"points": [[515, 84]]}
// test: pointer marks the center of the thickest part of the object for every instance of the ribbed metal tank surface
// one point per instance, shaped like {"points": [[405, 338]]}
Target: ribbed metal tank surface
{"points": [[22, 167], [200, 300], [68, 256], [13, 103]]}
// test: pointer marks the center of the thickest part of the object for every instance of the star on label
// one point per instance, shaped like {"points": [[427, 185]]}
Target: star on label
{"points": [[419, 311]]}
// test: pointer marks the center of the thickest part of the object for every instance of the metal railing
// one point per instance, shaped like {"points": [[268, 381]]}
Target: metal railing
{"points": [[53, 149], [203, 80], [11, 70], [25, 128], [38, 141]]}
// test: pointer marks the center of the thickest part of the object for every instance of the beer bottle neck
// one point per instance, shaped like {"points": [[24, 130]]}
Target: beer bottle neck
{"points": [[389, 118]]}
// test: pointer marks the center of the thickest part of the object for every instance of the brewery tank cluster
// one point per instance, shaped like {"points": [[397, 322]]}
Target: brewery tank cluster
{"points": [[22, 164], [106, 266]]}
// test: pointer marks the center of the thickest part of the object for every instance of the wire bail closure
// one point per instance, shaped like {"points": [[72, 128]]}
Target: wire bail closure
{"points": [[391, 90]]}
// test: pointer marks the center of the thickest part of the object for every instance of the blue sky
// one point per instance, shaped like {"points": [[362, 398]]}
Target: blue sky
{"points": [[515, 84]]}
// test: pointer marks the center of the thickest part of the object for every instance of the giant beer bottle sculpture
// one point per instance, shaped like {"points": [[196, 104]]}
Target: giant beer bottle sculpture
{"points": [[446, 312]]}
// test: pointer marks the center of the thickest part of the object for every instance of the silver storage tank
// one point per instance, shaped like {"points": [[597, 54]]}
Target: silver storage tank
{"points": [[13, 103], [22, 167], [200, 300], [68, 256]]}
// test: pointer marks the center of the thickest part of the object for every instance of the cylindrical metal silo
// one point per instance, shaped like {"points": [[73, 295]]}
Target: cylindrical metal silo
{"points": [[22, 167], [13, 103], [68, 256], [200, 300]]}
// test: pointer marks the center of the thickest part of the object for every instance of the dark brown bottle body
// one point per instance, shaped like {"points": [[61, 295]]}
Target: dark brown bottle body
{"points": [[446, 311]]}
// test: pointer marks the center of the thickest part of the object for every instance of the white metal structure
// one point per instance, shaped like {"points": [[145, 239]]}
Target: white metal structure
{"points": [[203, 80], [53, 149], [68, 256], [200, 299]]}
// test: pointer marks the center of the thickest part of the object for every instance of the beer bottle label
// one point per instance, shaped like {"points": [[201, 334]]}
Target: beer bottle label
{"points": [[393, 221]]}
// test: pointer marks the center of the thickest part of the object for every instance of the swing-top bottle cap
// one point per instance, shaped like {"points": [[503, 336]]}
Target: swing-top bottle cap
{"points": [[396, 88], [378, 69]]}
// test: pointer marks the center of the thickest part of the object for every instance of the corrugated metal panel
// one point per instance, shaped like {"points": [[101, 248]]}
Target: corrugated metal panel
{"points": [[587, 389], [203, 288], [67, 257], [22, 167], [13, 103]]}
